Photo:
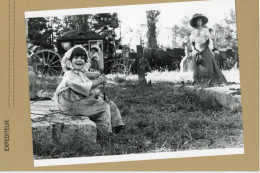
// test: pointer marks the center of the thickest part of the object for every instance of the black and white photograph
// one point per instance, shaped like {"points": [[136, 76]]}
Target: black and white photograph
{"points": [[134, 82]]}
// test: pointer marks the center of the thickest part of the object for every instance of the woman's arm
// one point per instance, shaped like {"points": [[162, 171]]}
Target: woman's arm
{"points": [[192, 39], [207, 33], [209, 37]]}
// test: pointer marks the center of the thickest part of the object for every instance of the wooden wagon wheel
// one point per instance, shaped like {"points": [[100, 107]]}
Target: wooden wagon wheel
{"points": [[118, 69], [30, 53], [50, 62]]}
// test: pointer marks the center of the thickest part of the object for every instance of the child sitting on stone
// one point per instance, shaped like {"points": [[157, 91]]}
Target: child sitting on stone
{"points": [[77, 94]]}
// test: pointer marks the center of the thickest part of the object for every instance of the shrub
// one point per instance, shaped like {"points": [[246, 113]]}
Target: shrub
{"points": [[39, 84]]}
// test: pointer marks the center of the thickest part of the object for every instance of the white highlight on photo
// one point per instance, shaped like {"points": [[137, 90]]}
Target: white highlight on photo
{"points": [[137, 157]]}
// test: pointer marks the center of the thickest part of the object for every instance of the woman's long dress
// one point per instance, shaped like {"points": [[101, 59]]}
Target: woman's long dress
{"points": [[95, 65], [209, 70]]}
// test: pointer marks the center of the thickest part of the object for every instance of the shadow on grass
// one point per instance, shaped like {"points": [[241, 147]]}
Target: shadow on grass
{"points": [[159, 118]]}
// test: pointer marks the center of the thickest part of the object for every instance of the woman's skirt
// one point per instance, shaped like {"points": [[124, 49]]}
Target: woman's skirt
{"points": [[208, 69], [95, 65]]}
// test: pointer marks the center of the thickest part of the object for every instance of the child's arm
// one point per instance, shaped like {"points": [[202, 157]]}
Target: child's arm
{"points": [[75, 83], [83, 88], [92, 75], [99, 81]]}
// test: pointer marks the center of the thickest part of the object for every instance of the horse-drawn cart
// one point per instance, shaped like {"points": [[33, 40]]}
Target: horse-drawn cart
{"points": [[47, 62]]}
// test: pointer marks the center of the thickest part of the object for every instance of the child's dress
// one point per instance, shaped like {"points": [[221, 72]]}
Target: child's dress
{"points": [[75, 96]]}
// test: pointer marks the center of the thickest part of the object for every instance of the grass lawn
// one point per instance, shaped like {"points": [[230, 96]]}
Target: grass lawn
{"points": [[159, 118]]}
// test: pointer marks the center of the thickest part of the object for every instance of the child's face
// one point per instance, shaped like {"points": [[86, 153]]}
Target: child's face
{"points": [[78, 62]]}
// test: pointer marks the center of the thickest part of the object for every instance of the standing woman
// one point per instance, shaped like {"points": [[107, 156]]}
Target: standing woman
{"points": [[95, 65], [97, 60], [205, 68]]}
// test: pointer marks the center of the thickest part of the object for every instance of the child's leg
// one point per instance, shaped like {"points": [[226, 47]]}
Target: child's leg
{"points": [[116, 118], [97, 110]]}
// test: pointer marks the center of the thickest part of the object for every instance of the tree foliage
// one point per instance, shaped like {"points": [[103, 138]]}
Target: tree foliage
{"points": [[77, 22], [37, 31], [226, 32], [181, 31], [44, 31], [152, 19]]}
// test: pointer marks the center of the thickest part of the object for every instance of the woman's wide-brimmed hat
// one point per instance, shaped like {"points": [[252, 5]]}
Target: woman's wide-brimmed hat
{"points": [[198, 16]]}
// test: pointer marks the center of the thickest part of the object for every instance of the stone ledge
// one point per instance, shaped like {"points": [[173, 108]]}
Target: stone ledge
{"points": [[225, 95]]}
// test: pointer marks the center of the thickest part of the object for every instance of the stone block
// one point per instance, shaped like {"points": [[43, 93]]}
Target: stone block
{"points": [[49, 125], [67, 131], [41, 132]]}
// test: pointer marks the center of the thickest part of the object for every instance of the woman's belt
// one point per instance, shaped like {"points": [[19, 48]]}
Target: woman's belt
{"points": [[198, 57], [204, 45]]}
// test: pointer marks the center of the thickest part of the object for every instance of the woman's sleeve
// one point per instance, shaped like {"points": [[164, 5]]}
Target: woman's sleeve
{"points": [[211, 46], [192, 40], [192, 36], [76, 84], [209, 37], [207, 33]]}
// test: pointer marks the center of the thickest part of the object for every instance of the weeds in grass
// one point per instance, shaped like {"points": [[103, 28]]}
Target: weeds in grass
{"points": [[41, 86], [75, 146], [159, 118], [119, 79]]}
